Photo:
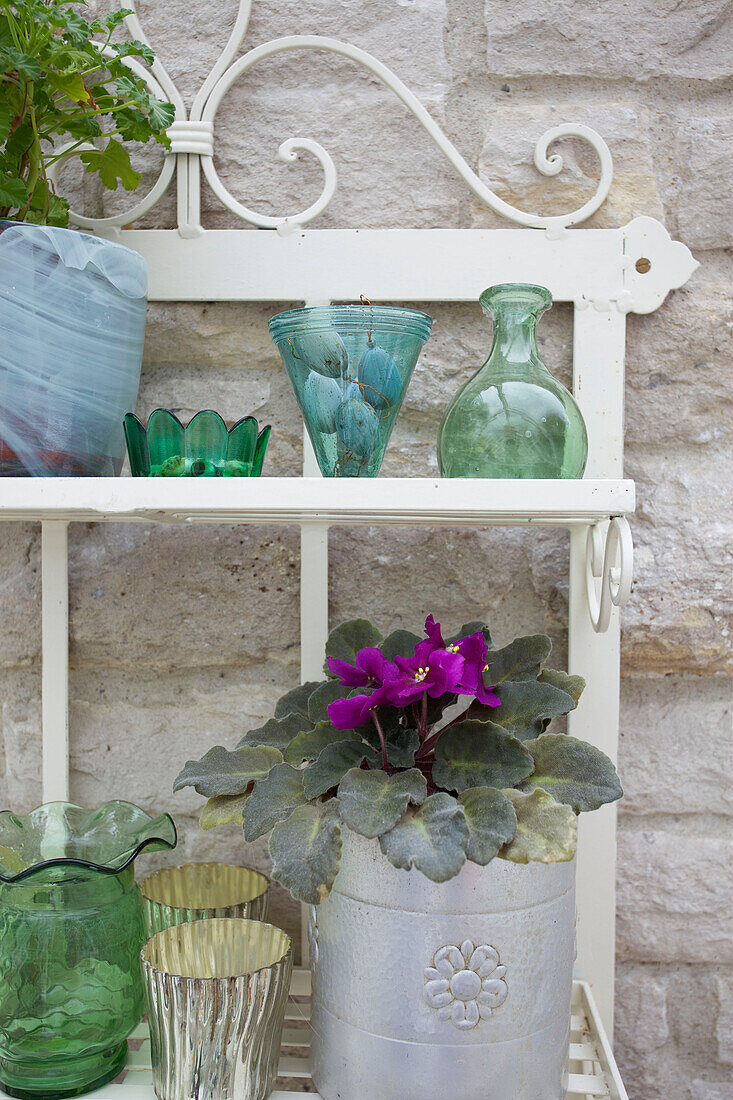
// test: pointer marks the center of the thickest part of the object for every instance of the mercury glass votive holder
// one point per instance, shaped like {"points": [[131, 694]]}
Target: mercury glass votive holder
{"points": [[202, 891], [216, 992]]}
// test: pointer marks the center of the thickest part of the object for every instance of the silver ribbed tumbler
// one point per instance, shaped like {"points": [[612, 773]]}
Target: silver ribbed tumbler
{"points": [[216, 993], [200, 891]]}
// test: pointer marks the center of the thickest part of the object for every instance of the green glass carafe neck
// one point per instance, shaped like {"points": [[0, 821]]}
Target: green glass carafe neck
{"points": [[515, 309]]}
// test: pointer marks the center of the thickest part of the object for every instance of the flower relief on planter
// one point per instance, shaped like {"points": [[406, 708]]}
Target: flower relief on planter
{"points": [[438, 747], [466, 983]]}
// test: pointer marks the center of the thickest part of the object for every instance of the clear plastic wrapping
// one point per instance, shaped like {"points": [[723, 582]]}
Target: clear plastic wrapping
{"points": [[72, 327]]}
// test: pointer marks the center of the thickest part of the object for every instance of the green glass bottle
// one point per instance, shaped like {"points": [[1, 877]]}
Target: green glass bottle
{"points": [[513, 419]]}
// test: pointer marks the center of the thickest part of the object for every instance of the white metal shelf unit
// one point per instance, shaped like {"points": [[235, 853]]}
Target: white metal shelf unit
{"points": [[604, 273]]}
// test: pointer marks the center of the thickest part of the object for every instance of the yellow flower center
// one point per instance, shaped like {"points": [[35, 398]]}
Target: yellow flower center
{"points": [[421, 673], [452, 648]]}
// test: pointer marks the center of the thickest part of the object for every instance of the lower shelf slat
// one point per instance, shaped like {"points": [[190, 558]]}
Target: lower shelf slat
{"points": [[592, 1069]]}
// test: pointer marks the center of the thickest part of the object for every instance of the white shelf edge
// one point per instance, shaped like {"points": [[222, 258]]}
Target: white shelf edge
{"points": [[434, 501]]}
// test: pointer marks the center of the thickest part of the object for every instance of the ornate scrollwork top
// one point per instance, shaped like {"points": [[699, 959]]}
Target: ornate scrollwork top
{"points": [[192, 138]]}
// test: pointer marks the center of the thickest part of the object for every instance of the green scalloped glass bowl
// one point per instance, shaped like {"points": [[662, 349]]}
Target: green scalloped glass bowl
{"points": [[72, 924], [205, 448]]}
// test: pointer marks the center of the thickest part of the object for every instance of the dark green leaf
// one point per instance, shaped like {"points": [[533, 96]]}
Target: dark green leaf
{"points": [[309, 744], [431, 838], [225, 809], [547, 832], [13, 192], [277, 732], [306, 851], [522, 659], [273, 799], [222, 772], [332, 765], [346, 640], [573, 772], [134, 49], [372, 801], [573, 685], [491, 822], [400, 643], [476, 627], [323, 695], [526, 706], [14, 60], [296, 701], [112, 164], [401, 749], [479, 754], [6, 120]]}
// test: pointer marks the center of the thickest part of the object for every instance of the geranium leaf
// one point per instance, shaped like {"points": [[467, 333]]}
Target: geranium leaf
{"points": [[224, 809], [309, 744], [479, 754], [491, 822], [323, 695], [372, 801], [6, 121], [296, 700], [346, 640], [223, 772], [13, 192], [526, 706], [547, 832], [573, 772], [402, 748], [112, 164], [431, 838], [306, 851], [400, 643], [573, 685], [273, 799], [332, 765], [277, 732], [522, 659]]}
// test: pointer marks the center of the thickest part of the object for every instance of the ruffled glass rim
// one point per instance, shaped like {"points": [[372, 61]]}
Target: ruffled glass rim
{"points": [[58, 822], [350, 318], [140, 437]]}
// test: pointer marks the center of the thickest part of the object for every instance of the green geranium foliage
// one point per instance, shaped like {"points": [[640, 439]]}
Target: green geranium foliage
{"points": [[381, 748], [66, 92]]}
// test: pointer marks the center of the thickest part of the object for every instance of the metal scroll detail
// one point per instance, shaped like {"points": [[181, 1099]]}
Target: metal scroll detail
{"points": [[610, 560], [192, 141]]}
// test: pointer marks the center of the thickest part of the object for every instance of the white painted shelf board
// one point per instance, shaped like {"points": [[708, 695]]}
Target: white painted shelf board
{"points": [[448, 501], [592, 1071]]}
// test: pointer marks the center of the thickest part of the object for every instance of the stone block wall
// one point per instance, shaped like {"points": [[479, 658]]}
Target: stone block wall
{"points": [[181, 639]]}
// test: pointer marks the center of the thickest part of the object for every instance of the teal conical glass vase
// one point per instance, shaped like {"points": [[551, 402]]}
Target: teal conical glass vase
{"points": [[513, 419]]}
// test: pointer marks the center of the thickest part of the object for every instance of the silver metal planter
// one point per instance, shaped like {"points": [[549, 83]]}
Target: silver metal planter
{"points": [[216, 994], [432, 992]]}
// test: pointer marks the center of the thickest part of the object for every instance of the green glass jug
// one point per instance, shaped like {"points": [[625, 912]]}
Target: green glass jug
{"points": [[513, 419]]}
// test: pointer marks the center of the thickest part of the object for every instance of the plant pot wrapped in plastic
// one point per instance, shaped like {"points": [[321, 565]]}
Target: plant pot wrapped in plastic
{"points": [[72, 316]]}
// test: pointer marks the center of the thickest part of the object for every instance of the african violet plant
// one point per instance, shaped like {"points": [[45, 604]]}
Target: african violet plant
{"points": [[436, 747], [61, 78]]}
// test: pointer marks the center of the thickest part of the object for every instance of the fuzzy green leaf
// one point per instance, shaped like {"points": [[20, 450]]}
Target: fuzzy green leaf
{"points": [[522, 659], [306, 851], [296, 700], [573, 772], [323, 695], [373, 802], [332, 765], [346, 640], [573, 685], [273, 799], [526, 707], [112, 164], [400, 643], [224, 809], [475, 627], [479, 754], [276, 732], [401, 748], [222, 772], [431, 838], [309, 744], [547, 832], [491, 822]]}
